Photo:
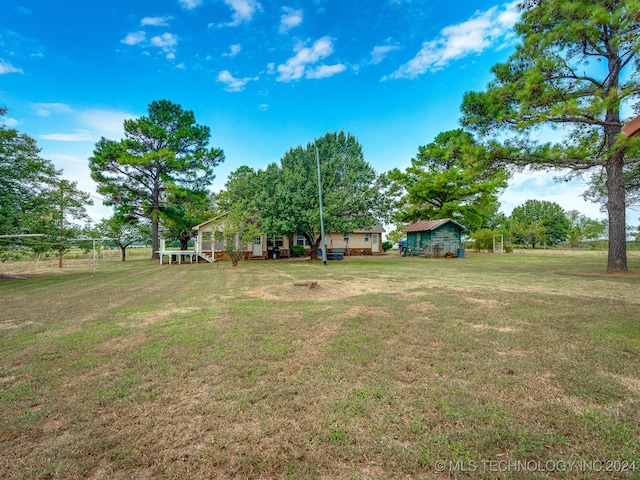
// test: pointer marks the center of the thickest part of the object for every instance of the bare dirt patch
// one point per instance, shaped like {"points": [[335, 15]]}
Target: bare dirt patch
{"points": [[484, 326], [423, 307], [324, 291], [142, 319]]}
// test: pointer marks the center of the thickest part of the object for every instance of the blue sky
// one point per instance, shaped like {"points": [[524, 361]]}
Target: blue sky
{"points": [[265, 76]]}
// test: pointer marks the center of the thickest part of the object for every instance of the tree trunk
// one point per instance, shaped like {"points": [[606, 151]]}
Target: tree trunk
{"points": [[616, 207], [155, 244], [123, 253], [155, 220], [314, 243]]}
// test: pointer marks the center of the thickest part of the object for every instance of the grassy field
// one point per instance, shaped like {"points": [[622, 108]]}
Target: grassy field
{"points": [[492, 366]]}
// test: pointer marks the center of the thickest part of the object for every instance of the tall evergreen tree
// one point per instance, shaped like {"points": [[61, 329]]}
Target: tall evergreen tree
{"points": [[576, 67], [166, 149], [451, 177]]}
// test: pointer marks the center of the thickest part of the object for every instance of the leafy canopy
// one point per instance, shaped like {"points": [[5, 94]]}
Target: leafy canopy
{"points": [[539, 222], [451, 177]]}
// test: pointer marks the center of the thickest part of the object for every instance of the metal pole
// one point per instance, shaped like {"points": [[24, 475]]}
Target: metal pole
{"points": [[323, 239]]}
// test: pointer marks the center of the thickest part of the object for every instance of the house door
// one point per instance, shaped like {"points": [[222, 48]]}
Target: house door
{"points": [[257, 247], [374, 243]]}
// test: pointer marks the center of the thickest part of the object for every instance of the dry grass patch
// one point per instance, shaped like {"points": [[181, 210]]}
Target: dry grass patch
{"points": [[388, 365]]}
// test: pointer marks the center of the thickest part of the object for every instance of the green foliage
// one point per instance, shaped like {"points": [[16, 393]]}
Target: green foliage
{"points": [[539, 222], [582, 228], [386, 246], [185, 208], [298, 250], [284, 198], [396, 235], [34, 199], [123, 230], [575, 67], [163, 156], [483, 239], [353, 196], [451, 177], [237, 229]]}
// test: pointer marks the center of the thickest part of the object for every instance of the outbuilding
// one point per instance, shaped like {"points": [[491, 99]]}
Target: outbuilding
{"points": [[435, 238]]}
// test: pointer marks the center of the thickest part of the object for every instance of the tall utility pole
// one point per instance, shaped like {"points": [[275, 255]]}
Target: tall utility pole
{"points": [[61, 251], [323, 239]]}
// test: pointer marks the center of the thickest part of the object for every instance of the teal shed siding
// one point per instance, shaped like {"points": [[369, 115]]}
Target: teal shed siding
{"points": [[448, 237]]}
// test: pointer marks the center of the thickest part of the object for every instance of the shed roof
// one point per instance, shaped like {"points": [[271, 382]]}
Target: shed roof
{"points": [[429, 225]]}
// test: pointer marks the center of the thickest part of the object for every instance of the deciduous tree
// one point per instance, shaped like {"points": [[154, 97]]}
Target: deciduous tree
{"points": [[24, 178], [539, 222], [124, 230], [354, 195]]}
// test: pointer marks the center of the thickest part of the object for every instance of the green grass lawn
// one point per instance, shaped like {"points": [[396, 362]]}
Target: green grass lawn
{"points": [[389, 367]]}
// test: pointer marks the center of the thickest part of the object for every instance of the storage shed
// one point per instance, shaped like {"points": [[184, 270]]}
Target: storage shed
{"points": [[434, 238]]}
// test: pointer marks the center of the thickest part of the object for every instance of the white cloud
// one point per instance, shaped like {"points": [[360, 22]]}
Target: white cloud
{"points": [[105, 123], [77, 136], [10, 122], [134, 38], [483, 30], [325, 71], [290, 19], [542, 185], [92, 124], [380, 52], [233, 84], [8, 68], [155, 21], [166, 41], [296, 67], [46, 109], [243, 10], [233, 50], [189, 4]]}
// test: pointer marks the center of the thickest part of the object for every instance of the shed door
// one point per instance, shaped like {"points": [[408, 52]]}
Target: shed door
{"points": [[374, 243]]}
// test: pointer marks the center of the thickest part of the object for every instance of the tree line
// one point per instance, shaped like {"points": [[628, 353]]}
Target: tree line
{"points": [[575, 67]]}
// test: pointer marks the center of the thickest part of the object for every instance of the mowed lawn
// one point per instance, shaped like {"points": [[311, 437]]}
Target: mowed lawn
{"points": [[388, 368]]}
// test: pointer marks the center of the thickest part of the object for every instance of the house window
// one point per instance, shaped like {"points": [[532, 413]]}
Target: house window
{"points": [[366, 237], [300, 240], [346, 237]]}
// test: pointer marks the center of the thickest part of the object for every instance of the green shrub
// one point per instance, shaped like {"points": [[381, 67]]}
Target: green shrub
{"points": [[387, 246], [298, 251]]}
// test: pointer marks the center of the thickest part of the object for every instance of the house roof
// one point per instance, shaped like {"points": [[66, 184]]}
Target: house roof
{"points": [[429, 225], [374, 229], [632, 127], [197, 227]]}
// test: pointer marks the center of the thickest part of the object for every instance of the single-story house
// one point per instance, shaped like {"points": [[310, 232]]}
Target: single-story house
{"points": [[360, 242], [366, 241], [210, 243], [434, 237]]}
